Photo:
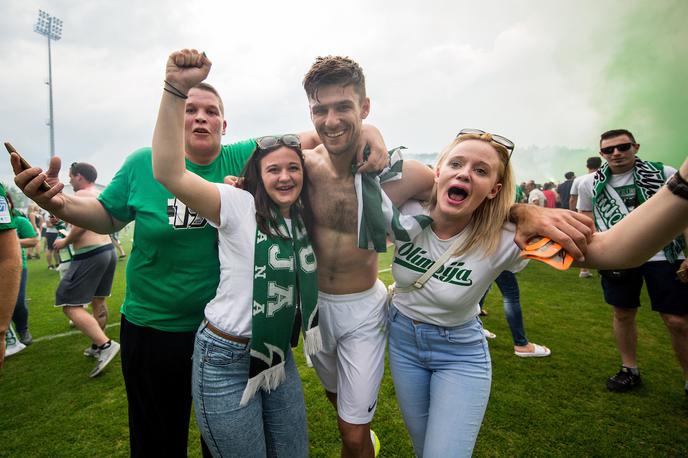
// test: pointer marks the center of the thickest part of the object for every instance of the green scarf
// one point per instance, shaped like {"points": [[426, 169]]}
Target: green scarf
{"points": [[284, 279], [608, 207], [376, 213]]}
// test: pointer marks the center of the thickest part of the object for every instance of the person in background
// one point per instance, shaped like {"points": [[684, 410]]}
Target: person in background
{"points": [[27, 239], [10, 268], [624, 183], [564, 190], [592, 164]]}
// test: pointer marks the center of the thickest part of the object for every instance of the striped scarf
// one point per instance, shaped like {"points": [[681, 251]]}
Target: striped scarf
{"points": [[609, 208], [376, 213], [284, 278]]}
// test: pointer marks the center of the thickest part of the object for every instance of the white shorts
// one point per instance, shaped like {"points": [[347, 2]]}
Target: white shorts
{"points": [[352, 361]]}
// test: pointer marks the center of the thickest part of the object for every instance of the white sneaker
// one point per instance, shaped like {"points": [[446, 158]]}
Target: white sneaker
{"points": [[585, 274], [92, 352], [14, 348], [12, 344], [106, 355]]}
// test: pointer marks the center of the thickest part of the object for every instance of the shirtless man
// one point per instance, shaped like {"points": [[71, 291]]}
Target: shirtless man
{"points": [[90, 274], [352, 299]]}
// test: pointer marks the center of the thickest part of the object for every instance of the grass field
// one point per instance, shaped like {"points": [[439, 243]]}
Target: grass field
{"points": [[556, 406]]}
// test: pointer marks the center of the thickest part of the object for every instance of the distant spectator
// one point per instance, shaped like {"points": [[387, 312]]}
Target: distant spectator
{"points": [[592, 164], [564, 190], [27, 239], [551, 196], [535, 195]]}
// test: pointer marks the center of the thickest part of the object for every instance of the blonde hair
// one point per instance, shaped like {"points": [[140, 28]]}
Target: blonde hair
{"points": [[487, 220]]}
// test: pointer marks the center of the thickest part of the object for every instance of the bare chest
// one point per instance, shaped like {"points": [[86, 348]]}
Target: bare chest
{"points": [[334, 204]]}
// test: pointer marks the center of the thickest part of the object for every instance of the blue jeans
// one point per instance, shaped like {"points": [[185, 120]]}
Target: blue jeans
{"points": [[508, 285], [271, 424], [442, 380], [20, 316]]}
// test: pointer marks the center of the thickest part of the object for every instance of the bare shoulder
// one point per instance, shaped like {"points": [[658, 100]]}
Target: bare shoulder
{"points": [[91, 192]]}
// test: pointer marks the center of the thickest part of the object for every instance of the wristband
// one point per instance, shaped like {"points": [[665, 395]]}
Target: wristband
{"points": [[678, 185]]}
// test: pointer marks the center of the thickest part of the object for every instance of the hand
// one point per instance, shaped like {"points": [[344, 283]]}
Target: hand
{"points": [[59, 244], [29, 181], [231, 180], [186, 68], [571, 230], [682, 272], [378, 158]]}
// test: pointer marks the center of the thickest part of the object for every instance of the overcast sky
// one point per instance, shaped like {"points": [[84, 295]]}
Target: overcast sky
{"points": [[550, 75]]}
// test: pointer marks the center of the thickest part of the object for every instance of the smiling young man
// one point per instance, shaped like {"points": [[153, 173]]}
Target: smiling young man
{"points": [[618, 187], [351, 299]]}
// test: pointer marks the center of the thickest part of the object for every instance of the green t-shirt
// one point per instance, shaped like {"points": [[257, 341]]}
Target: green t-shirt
{"points": [[25, 230], [6, 221], [174, 269]]}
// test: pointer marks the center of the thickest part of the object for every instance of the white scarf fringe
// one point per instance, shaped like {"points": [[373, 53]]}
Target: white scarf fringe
{"points": [[267, 380]]}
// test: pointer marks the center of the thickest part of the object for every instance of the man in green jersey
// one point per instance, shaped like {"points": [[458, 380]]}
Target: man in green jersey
{"points": [[173, 269], [10, 268]]}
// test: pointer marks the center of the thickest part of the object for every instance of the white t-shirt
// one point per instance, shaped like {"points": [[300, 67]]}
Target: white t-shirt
{"points": [[576, 183], [450, 297], [623, 184], [539, 195], [230, 309]]}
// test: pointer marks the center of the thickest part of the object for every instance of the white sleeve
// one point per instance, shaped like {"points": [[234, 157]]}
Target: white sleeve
{"points": [[585, 196], [669, 171], [574, 186], [235, 206]]}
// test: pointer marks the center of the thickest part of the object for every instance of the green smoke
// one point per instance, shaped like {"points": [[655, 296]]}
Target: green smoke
{"points": [[645, 87]]}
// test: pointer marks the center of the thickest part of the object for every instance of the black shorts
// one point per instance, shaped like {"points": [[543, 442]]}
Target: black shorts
{"points": [[667, 293], [50, 238]]}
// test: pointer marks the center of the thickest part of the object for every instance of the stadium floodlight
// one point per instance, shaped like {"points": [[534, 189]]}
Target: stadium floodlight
{"points": [[51, 28]]}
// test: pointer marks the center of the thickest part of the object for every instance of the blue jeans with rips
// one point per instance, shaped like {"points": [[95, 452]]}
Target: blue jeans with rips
{"points": [[442, 380], [271, 424], [508, 285]]}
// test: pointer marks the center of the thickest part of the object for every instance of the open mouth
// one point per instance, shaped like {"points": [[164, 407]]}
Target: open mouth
{"points": [[334, 134], [200, 130], [457, 195]]}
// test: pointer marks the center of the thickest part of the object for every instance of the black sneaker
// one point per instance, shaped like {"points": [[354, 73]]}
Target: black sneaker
{"points": [[623, 381]]}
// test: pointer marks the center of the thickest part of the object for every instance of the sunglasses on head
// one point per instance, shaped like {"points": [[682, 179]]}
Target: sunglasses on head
{"points": [[500, 140], [622, 148], [273, 141]]}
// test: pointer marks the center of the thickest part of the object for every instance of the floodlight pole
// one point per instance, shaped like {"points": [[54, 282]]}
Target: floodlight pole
{"points": [[50, 92], [50, 27]]}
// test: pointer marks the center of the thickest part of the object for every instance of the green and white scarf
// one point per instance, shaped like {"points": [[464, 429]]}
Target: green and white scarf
{"points": [[284, 278], [376, 213], [609, 208]]}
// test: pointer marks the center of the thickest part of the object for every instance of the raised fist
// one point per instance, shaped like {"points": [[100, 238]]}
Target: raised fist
{"points": [[186, 68]]}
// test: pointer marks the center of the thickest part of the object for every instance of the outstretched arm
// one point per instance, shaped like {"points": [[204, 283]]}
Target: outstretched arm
{"points": [[185, 69], [570, 229], [86, 212]]}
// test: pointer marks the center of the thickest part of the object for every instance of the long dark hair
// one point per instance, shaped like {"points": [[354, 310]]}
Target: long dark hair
{"points": [[266, 211]]}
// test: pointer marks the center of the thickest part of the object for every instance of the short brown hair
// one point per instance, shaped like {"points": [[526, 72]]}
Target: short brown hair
{"points": [[203, 86], [338, 70], [616, 133], [85, 170]]}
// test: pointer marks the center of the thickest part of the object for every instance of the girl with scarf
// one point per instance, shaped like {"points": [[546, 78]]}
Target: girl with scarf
{"points": [[248, 397]]}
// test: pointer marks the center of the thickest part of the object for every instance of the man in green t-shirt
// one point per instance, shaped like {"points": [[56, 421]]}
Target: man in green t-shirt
{"points": [[173, 268], [10, 268]]}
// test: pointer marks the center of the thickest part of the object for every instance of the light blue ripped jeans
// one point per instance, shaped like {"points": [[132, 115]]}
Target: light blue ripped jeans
{"points": [[271, 424], [442, 379]]}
